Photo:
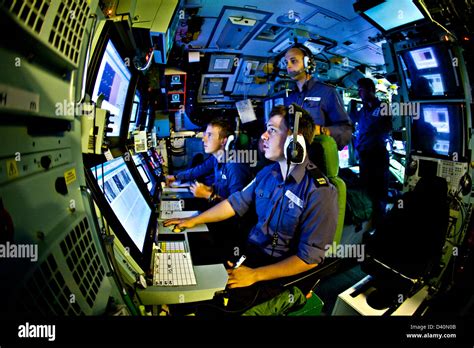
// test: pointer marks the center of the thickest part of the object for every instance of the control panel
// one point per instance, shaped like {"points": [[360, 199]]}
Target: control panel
{"points": [[424, 166]]}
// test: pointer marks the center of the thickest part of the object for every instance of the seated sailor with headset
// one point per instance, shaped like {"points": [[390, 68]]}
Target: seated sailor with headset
{"points": [[229, 177], [297, 213]]}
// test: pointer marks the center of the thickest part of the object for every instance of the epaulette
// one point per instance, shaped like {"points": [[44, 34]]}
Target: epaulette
{"points": [[318, 177]]}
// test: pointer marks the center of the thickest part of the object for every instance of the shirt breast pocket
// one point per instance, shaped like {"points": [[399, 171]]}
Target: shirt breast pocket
{"points": [[289, 221], [314, 108], [262, 202]]}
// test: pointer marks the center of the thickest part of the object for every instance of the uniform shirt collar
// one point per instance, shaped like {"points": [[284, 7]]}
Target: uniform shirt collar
{"points": [[309, 84], [297, 173]]}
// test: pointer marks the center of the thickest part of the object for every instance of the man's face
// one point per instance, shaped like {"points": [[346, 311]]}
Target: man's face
{"points": [[212, 142], [274, 138], [365, 94], [295, 64]]}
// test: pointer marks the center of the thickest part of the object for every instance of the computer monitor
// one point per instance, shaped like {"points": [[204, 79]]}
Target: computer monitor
{"points": [[389, 16], [155, 161], [146, 173], [439, 131], [429, 72], [220, 63], [269, 103], [126, 209], [135, 112], [344, 157], [398, 146], [112, 82]]}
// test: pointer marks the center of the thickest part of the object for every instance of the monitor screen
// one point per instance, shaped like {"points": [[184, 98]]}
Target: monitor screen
{"points": [[439, 130], [145, 172], [344, 157], [221, 63], [398, 146], [135, 111], [125, 199], [112, 82], [430, 73], [390, 15]]}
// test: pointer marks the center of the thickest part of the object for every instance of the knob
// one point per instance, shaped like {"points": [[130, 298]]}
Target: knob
{"points": [[45, 162]]}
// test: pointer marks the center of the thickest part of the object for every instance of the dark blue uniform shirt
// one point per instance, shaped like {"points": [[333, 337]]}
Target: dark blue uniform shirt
{"points": [[228, 177], [325, 107], [373, 128], [321, 101], [308, 218]]}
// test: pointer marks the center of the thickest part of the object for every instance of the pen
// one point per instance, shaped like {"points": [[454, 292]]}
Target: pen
{"points": [[241, 261]]}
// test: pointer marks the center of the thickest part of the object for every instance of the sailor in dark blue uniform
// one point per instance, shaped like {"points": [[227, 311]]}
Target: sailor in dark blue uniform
{"points": [[229, 176], [296, 207], [320, 100], [371, 143]]}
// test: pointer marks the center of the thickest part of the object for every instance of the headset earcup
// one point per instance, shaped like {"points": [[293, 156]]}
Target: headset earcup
{"points": [[306, 61], [300, 149], [228, 144]]}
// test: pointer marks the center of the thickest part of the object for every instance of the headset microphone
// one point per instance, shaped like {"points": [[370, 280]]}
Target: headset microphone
{"points": [[296, 73]]}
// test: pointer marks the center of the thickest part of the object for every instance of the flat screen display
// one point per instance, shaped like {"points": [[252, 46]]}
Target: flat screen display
{"points": [[221, 63], [145, 172], [431, 72], [112, 82], [393, 14], [125, 199], [439, 130]]}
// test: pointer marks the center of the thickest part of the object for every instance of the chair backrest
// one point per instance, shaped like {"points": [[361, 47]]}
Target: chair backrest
{"points": [[323, 152], [411, 237]]}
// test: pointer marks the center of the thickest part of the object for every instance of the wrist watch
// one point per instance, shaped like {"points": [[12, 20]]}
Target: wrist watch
{"points": [[213, 195]]}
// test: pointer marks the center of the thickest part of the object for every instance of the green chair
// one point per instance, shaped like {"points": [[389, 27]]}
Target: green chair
{"points": [[323, 152]]}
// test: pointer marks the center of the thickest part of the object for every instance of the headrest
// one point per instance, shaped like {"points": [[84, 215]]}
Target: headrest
{"points": [[323, 152]]}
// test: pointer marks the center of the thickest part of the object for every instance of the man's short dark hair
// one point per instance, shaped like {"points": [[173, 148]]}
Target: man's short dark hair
{"points": [[366, 83], [306, 123], [223, 124]]}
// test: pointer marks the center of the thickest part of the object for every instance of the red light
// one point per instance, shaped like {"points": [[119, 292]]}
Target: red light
{"points": [[466, 38]]}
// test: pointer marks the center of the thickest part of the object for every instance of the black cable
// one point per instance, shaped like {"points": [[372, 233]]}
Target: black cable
{"points": [[246, 307], [275, 234]]}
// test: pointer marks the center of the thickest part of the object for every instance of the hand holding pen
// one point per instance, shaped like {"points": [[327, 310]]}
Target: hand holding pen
{"points": [[240, 275]]}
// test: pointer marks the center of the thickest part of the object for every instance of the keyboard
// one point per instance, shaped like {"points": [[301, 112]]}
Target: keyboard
{"points": [[173, 265], [172, 205]]}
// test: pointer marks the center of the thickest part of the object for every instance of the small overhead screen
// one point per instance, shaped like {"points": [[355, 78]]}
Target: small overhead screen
{"points": [[221, 63], [112, 83], [213, 86], [390, 15], [430, 74], [439, 130], [128, 204]]}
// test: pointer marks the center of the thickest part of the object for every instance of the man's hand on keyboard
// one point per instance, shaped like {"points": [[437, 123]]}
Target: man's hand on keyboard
{"points": [[170, 179], [200, 190], [180, 223]]}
